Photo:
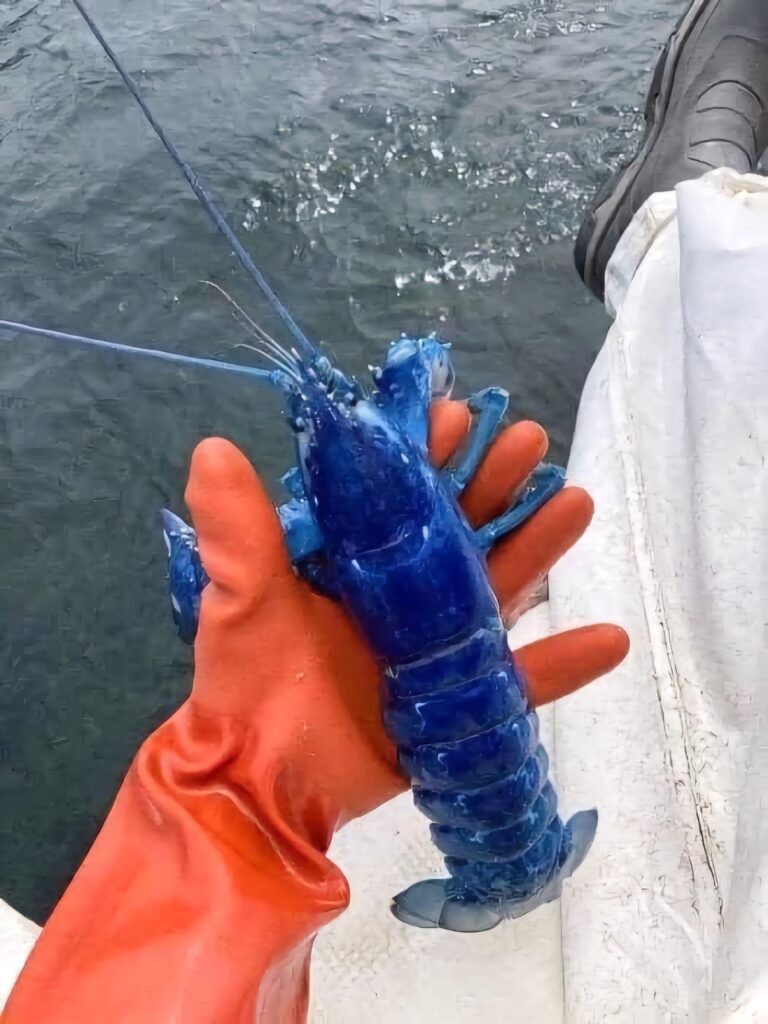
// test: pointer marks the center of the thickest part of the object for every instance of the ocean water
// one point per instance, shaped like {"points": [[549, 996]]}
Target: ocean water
{"points": [[392, 166]]}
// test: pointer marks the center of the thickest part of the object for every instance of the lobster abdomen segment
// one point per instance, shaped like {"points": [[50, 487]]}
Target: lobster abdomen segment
{"points": [[474, 760], [517, 878], [490, 806], [500, 844], [458, 712]]}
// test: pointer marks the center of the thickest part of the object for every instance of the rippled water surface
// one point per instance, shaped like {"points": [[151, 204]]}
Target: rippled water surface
{"points": [[392, 166]]}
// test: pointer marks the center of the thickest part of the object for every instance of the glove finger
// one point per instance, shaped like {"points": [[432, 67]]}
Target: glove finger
{"points": [[519, 562], [562, 664], [508, 463], [239, 534], [449, 422]]}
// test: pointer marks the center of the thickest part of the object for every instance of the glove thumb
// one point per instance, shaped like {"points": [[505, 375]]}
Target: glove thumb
{"points": [[238, 531]]}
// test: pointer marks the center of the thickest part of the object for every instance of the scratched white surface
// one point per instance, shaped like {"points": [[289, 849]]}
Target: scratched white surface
{"points": [[667, 920]]}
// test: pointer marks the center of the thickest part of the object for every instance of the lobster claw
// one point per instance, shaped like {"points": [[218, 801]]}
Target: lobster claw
{"points": [[186, 576]]}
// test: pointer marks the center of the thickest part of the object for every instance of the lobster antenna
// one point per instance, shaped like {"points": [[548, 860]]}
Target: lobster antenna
{"points": [[272, 359], [258, 332], [199, 189], [278, 378]]}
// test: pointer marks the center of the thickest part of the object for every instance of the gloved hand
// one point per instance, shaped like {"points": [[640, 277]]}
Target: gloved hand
{"points": [[200, 898]]}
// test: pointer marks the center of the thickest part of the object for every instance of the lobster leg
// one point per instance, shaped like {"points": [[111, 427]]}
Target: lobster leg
{"points": [[543, 484], [302, 536], [490, 407]]}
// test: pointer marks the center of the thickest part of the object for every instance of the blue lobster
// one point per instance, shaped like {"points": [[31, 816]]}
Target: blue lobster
{"points": [[372, 523]]}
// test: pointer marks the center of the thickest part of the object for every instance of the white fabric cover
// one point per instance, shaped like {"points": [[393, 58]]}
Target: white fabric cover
{"points": [[667, 920], [17, 937]]}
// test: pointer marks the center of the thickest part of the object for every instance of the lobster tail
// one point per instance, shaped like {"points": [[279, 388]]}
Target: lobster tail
{"points": [[468, 739]]}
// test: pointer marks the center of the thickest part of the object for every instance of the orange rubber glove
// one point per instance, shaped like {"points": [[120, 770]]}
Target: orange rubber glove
{"points": [[200, 898]]}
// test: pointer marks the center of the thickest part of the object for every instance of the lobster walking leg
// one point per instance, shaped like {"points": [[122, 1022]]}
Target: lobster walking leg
{"points": [[544, 484], [490, 405]]}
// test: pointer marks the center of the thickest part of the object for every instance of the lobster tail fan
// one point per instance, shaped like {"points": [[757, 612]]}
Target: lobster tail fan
{"points": [[431, 904], [421, 904], [428, 905], [582, 827]]}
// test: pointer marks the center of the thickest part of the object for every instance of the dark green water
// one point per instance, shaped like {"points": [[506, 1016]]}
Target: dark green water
{"points": [[391, 165]]}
